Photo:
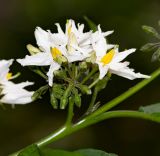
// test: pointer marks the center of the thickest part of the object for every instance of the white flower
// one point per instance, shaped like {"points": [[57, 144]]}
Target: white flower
{"points": [[77, 43], [73, 45], [111, 62], [12, 93], [49, 55]]}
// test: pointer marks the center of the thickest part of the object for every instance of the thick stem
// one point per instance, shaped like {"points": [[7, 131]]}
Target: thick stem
{"points": [[126, 94]]}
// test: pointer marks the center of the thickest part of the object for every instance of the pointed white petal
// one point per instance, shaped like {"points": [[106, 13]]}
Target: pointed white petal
{"points": [[16, 94], [60, 31], [103, 70], [108, 33], [53, 67], [122, 55], [40, 59], [43, 39], [129, 74], [4, 69]]}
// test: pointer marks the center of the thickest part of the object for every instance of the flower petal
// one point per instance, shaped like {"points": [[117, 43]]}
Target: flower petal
{"points": [[53, 67], [43, 39], [15, 93], [122, 55], [40, 59], [103, 70], [129, 73], [4, 69]]}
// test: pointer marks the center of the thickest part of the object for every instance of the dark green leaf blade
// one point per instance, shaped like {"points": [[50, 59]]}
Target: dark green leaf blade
{"points": [[148, 47], [151, 30], [156, 55], [56, 152], [153, 109], [94, 152]]}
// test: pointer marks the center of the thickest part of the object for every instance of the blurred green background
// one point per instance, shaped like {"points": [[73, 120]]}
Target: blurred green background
{"points": [[26, 124]]}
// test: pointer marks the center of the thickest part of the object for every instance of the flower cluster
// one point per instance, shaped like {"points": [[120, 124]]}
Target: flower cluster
{"points": [[75, 45], [72, 48]]}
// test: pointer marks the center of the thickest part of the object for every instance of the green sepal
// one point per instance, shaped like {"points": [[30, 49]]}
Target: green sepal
{"points": [[38, 93], [32, 50]]}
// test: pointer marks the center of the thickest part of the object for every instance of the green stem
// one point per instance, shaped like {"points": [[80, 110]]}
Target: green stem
{"points": [[93, 83], [89, 75], [94, 96], [126, 94], [70, 113], [41, 74]]}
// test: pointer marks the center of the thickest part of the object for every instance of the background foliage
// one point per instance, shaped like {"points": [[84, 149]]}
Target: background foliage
{"points": [[26, 124]]}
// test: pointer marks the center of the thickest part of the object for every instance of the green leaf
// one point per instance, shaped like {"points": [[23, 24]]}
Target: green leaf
{"points": [[51, 152], [91, 24], [148, 47], [38, 93], [31, 150], [151, 109], [94, 152], [156, 55], [151, 30]]}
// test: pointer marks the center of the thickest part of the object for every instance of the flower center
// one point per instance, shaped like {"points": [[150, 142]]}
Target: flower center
{"points": [[106, 59], [55, 52], [8, 76]]}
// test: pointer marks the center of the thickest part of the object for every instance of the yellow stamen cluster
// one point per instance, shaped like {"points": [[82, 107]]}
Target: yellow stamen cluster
{"points": [[55, 52], [106, 59], [9, 75]]}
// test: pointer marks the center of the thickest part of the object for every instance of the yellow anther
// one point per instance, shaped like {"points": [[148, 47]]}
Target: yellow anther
{"points": [[9, 75], [108, 57], [55, 52]]}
